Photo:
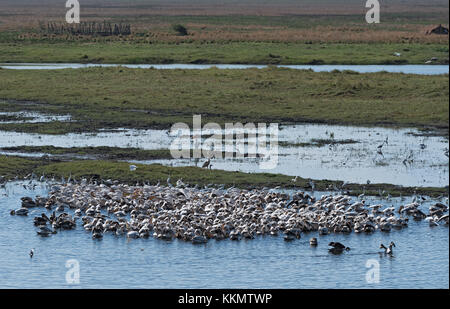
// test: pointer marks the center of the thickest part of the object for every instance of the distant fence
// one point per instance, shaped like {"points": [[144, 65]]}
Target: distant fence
{"points": [[86, 28]]}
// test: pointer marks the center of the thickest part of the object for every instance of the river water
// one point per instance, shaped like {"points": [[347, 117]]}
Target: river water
{"points": [[406, 69], [421, 257]]}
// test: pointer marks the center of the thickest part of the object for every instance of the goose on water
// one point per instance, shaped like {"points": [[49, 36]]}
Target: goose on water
{"points": [[19, 212], [45, 231], [199, 238], [389, 249], [289, 237], [313, 241], [337, 247]]}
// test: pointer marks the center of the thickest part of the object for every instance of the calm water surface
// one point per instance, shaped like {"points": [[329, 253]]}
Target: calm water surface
{"points": [[406, 69], [421, 258], [406, 158]]}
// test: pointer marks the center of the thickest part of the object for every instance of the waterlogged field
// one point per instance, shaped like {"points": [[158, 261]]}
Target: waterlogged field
{"points": [[124, 114], [351, 154], [99, 98]]}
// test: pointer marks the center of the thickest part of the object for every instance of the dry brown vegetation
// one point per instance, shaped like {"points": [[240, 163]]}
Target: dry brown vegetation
{"points": [[84, 28], [245, 20], [317, 35], [220, 7]]}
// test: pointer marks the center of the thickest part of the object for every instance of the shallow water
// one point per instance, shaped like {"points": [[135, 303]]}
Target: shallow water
{"points": [[407, 69], [421, 258], [426, 162], [33, 117], [405, 159], [145, 139]]}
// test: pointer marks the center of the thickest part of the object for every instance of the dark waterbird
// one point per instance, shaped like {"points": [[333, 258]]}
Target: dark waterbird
{"points": [[337, 247], [389, 249]]}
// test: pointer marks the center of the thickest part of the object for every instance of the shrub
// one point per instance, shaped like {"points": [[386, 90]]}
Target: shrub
{"points": [[180, 29]]}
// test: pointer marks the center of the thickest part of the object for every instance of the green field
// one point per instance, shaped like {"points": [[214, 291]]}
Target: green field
{"points": [[216, 53]]}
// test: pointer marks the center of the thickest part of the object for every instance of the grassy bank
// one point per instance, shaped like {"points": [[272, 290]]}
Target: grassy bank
{"points": [[319, 143], [226, 52], [100, 152], [10, 167], [138, 98]]}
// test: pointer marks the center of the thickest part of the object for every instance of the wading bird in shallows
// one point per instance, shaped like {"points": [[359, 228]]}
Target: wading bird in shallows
{"points": [[207, 164], [380, 147]]}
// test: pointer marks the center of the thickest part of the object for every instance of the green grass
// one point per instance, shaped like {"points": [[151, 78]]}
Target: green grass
{"points": [[227, 52], [391, 21], [319, 143], [138, 98], [10, 167], [100, 152]]}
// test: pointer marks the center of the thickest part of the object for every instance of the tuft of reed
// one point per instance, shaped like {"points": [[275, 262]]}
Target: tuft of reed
{"points": [[86, 28]]}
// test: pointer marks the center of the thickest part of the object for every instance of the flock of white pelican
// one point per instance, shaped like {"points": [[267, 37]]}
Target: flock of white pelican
{"points": [[197, 215]]}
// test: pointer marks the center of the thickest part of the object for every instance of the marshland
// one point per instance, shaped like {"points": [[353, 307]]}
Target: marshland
{"points": [[87, 173]]}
